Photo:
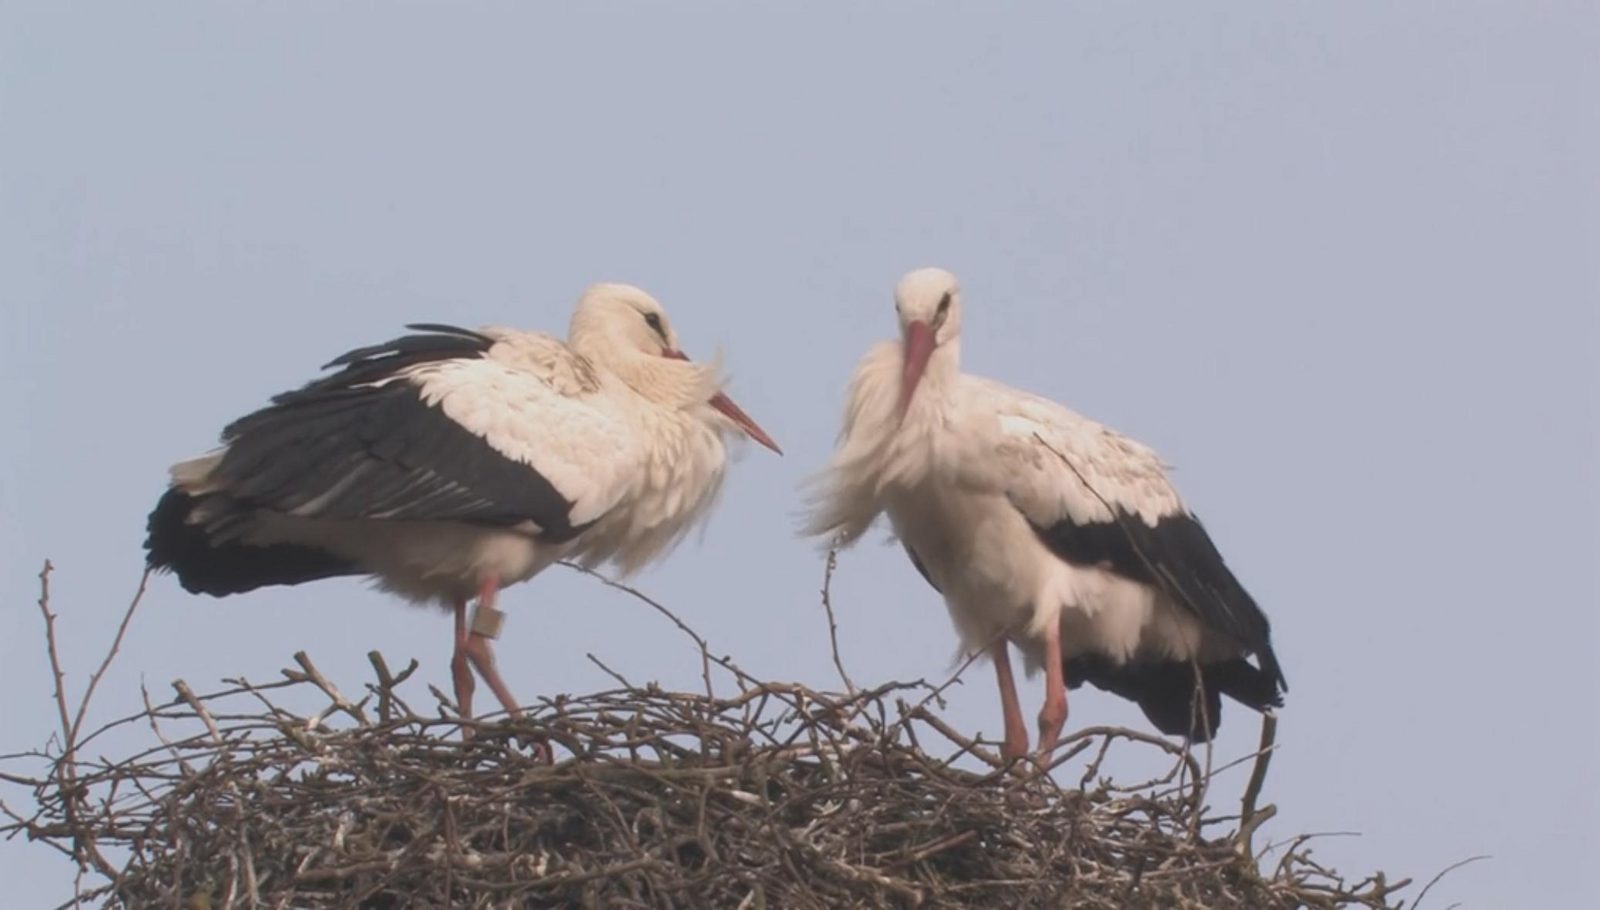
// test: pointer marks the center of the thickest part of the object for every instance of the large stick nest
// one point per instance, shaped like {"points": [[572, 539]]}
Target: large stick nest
{"points": [[775, 795]]}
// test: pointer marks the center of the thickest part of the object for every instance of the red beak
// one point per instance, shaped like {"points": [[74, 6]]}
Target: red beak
{"points": [[919, 347], [723, 403]]}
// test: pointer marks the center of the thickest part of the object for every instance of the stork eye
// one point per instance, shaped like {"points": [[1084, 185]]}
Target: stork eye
{"points": [[654, 321], [944, 304]]}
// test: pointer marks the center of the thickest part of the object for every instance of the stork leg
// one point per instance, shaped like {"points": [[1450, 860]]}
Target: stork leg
{"points": [[1016, 741], [482, 657], [460, 671], [1053, 715]]}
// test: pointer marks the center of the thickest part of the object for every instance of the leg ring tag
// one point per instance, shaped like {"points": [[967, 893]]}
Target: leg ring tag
{"points": [[486, 621]]}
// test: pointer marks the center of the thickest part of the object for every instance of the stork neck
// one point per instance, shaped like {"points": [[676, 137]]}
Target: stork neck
{"points": [[943, 366]]}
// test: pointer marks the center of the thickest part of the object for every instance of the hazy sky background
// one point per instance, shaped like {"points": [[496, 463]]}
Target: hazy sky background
{"points": [[1336, 262]]}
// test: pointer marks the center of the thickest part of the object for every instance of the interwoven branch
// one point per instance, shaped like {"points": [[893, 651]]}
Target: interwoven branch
{"points": [[774, 795]]}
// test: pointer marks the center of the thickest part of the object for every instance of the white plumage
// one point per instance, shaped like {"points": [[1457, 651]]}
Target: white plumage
{"points": [[452, 463], [1041, 528]]}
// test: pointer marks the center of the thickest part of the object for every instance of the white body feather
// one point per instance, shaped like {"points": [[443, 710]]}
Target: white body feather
{"points": [[961, 474], [628, 439]]}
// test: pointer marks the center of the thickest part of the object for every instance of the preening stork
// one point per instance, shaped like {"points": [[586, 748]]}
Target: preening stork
{"points": [[451, 463], [1043, 529]]}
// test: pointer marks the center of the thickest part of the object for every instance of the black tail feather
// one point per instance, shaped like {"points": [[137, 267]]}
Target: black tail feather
{"points": [[202, 567], [1165, 690]]}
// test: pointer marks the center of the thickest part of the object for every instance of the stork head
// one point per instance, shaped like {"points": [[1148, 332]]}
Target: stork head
{"points": [[626, 318], [627, 330], [928, 302]]}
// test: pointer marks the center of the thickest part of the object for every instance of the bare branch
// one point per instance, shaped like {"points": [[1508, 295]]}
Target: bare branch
{"points": [[705, 650], [831, 565], [1258, 777], [111, 654], [328, 688], [1442, 873], [55, 659]]}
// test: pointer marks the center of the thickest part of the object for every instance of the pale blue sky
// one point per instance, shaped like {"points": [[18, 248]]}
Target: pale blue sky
{"points": [[1337, 262]]}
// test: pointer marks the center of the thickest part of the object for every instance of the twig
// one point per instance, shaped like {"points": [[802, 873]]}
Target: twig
{"points": [[155, 727], [111, 654], [938, 691], [387, 682], [329, 689], [621, 680], [199, 708], [831, 565], [55, 662], [1248, 826], [1442, 873], [968, 745], [700, 642], [1258, 777], [84, 848]]}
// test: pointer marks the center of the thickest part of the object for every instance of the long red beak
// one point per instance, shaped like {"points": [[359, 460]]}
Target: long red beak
{"points": [[723, 403], [918, 348]]}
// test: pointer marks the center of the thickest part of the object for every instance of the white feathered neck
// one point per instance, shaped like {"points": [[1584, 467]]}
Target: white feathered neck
{"points": [[879, 448]]}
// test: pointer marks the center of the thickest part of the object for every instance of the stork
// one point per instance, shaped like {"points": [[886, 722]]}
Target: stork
{"points": [[1041, 529], [452, 463]]}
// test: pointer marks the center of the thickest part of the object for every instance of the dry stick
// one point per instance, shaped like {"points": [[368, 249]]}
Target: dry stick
{"points": [[1198, 711], [919, 708], [621, 680], [1216, 772], [328, 688], [705, 649], [956, 676], [833, 625], [1065, 756], [84, 848], [155, 727], [967, 745], [34, 832], [939, 846], [67, 764], [187, 694], [55, 660], [116, 645], [1112, 733], [1442, 873], [1248, 820], [387, 681]]}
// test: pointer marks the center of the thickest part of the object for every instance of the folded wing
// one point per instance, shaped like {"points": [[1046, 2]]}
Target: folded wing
{"points": [[1098, 498]]}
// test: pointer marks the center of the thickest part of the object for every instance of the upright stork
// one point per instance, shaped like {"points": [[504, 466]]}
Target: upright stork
{"points": [[451, 463], [1044, 530]]}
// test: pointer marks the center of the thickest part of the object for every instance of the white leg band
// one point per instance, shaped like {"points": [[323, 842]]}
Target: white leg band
{"points": [[486, 621]]}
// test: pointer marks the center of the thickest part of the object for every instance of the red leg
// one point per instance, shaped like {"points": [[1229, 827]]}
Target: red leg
{"points": [[459, 670], [482, 657], [486, 625], [1016, 741], [1053, 716]]}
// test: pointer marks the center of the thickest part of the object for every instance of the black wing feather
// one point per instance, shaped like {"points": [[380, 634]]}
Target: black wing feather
{"points": [[1165, 690], [1175, 554], [378, 361], [362, 443], [204, 566]]}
